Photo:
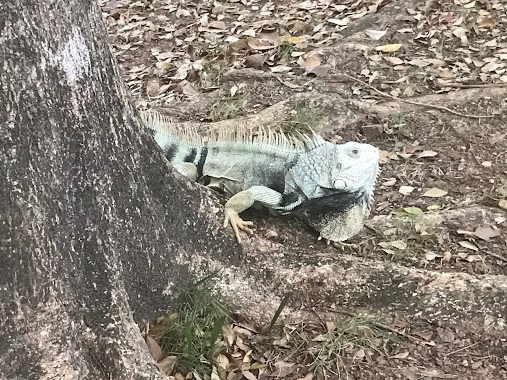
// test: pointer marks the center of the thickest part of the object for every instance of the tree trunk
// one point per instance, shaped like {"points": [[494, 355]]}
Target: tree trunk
{"points": [[96, 231]]}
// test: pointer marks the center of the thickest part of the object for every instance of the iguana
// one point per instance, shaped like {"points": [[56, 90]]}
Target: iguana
{"points": [[331, 185]]}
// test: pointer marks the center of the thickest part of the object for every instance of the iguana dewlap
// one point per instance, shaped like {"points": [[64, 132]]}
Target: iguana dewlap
{"points": [[331, 185]]}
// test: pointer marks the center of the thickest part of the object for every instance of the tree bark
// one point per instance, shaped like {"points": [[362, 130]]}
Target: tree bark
{"points": [[96, 231]]}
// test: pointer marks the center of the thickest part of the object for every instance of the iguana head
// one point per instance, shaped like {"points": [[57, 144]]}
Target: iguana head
{"points": [[328, 167], [339, 182], [355, 167]]}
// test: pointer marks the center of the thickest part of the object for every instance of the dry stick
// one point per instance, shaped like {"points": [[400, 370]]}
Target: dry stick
{"points": [[461, 349], [382, 326], [417, 103], [495, 256], [477, 85]]}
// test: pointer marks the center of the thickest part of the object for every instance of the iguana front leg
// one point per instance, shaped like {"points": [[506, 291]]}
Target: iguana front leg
{"points": [[244, 200]]}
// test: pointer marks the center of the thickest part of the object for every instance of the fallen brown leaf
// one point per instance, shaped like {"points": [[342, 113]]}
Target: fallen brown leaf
{"points": [[468, 245], [154, 348], [486, 233], [434, 193], [166, 365], [375, 35], [391, 48], [255, 61], [406, 190]]}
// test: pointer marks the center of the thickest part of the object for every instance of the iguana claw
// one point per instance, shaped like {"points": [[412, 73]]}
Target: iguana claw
{"points": [[338, 244], [233, 218]]}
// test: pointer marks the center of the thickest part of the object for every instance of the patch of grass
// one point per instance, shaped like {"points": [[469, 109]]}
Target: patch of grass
{"points": [[303, 118], [228, 108], [353, 338], [410, 241], [210, 49], [211, 74], [193, 327], [285, 50], [398, 124]]}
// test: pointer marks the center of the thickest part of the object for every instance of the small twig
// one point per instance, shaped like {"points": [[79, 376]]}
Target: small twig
{"points": [[461, 349], [434, 106], [382, 326], [496, 256], [475, 85]]}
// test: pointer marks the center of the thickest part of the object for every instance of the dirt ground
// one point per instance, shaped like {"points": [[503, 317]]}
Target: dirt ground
{"points": [[425, 81]]}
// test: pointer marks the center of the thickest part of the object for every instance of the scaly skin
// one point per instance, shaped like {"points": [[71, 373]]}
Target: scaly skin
{"points": [[330, 185]]}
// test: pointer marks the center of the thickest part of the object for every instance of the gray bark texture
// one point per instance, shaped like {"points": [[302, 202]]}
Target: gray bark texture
{"points": [[96, 231]]}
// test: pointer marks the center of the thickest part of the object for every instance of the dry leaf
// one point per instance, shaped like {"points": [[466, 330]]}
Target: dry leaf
{"points": [[389, 182], [233, 90], [430, 256], [330, 326], [465, 232], [340, 22], [375, 35], [320, 71], [391, 48], [255, 61], [435, 373], [152, 87], [360, 354], [309, 376], [217, 25], [459, 32], [401, 355], [295, 40], [427, 153], [249, 375], [385, 156], [280, 69], [283, 369], [398, 244], [468, 245], [503, 204], [154, 348], [182, 72], [311, 62], [394, 60], [419, 63], [166, 365], [406, 190], [486, 233], [486, 21], [434, 193], [214, 374], [241, 345], [186, 89], [472, 258], [260, 44], [491, 43]]}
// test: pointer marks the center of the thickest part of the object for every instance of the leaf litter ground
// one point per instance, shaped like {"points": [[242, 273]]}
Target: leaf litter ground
{"points": [[351, 70]]}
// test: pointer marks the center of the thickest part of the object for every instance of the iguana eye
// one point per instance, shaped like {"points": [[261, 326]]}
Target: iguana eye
{"points": [[355, 151]]}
